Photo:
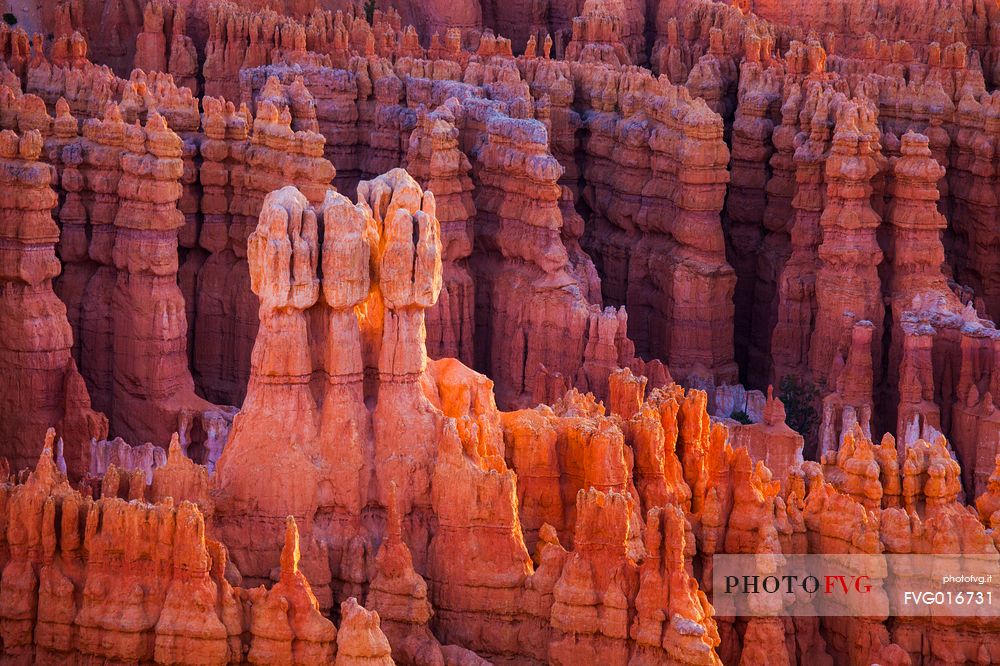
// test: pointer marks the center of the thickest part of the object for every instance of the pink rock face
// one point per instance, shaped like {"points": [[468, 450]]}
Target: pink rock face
{"points": [[435, 160], [151, 43], [437, 17], [771, 440], [68, 576], [284, 256], [375, 98], [40, 382], [399, 595], [361, 641], [238, 166], [223, 326], [746, 206], [775, 247], [180, 478], [370, 261], [757, 203], [916, 275], [149, 333], [76, 576], [539, 289], [847, 284], [596, 36], [286, 623], [852, 26], [245, 37], [163, 46], [656, 176], [607, 595], [89, 171], [796, 295], [133, 334], [278, 392]]}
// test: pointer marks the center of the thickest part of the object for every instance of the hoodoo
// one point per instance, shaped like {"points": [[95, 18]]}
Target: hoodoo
{"points": [[477, 332]]}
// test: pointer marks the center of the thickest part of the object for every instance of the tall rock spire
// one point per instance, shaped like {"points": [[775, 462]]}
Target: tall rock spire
{"points": [[37, 372]]}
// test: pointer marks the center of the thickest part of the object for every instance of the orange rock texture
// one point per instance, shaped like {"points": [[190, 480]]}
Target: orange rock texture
{"points": [[433, 333]]}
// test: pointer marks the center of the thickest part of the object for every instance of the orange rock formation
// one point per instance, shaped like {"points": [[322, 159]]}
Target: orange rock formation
{"points": [[446, 262]]}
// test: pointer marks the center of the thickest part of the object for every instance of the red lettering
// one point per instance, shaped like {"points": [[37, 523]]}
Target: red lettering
{"points": [[830, 580]]}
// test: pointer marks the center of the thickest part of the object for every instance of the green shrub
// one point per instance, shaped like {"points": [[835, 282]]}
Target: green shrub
{"points": [[740, 416], [370, 11], [10, 19]]}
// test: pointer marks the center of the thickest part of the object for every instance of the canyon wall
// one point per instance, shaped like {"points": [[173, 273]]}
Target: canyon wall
{"points": [[409, 310]]}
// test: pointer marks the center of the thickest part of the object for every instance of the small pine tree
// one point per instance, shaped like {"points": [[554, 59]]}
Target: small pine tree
{"points": [[370, 11], [800, 397], [9, 19]]}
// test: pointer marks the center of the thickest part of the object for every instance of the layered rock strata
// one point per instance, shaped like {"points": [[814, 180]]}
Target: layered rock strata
{"points": [[40, 382], [116, 580]]}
